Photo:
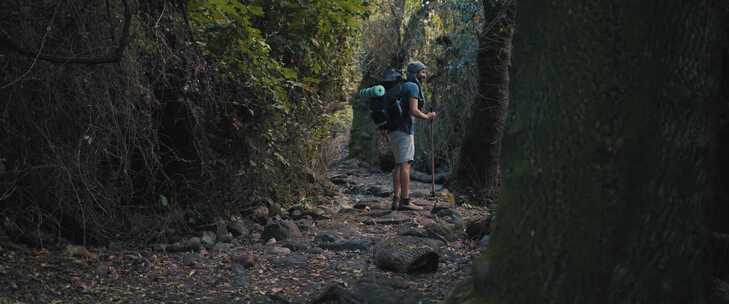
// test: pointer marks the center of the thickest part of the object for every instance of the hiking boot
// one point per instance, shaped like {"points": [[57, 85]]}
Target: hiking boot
{"points": [[395, 203], [407, 204]]}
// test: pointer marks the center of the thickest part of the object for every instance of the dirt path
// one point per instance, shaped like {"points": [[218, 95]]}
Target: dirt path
{"points": [[334, 248]]}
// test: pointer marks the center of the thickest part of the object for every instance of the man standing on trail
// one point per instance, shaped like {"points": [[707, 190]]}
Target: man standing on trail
{"points": [[403, 139]]}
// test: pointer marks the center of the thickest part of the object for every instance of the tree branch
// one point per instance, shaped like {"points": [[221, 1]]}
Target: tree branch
{"points": [[115, 56]]}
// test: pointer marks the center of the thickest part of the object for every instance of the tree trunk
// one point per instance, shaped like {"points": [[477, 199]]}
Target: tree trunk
{"points": [[605, 154], [717, 212], [479, 161]]}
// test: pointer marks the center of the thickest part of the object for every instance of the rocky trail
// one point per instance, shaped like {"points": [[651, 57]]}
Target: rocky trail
{"points": [[348, 248]]}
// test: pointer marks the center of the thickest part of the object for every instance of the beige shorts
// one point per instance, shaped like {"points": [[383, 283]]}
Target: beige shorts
{"points": [[403, 146]]}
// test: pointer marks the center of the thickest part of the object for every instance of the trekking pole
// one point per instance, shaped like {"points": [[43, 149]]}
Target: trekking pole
{"points": [[432, 165]]}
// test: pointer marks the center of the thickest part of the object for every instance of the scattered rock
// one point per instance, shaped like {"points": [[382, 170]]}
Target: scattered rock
{"points": [[191, 244], [245, 260], [274, 209], [296, 213], [271, 241], [448, 214], [256, 227], [330, 211], [296, 245], [424, 221], [379, 213], [189, 260], [314, 213], [325, 237], [227, 238], [222, 247], [305, 225], [317, 213], [344, 203], [278, 250], [255, 236], [260, 214], [415, 230], [392, 220], [339, 179], [283, 230], [374, 204], [448, 231], [314, 250], [412, 229], [208, 239], [361, 245], [291, 260], [347, 211], [238, 228], [221, 231], [373, 190]]}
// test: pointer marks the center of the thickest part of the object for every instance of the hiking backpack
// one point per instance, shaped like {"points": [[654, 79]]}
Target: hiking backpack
{"points": [[384, 101]]}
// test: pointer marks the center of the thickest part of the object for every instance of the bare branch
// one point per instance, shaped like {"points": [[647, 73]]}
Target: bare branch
{"points": [[113, 57]]}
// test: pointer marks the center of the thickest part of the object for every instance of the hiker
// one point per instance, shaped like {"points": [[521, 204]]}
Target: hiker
{"points": [[402, 138]]}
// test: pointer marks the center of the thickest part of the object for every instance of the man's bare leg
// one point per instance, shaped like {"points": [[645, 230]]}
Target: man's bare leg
{"points": [[405, 180], [396, 187], [405, 203]]}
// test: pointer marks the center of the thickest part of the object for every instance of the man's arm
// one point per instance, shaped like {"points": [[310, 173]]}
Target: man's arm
{"points": [[417, 113]]}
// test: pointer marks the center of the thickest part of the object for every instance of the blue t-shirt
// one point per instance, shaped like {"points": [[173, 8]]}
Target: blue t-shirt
{"points": [[408, 91]]}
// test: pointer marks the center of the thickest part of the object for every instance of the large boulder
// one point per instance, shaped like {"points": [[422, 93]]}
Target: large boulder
{"points": [[370, 289], [447, 214], [280, 231], [407, 254], [238, 228]]}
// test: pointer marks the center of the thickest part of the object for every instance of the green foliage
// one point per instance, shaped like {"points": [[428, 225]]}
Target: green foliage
{"points": [[293, 58], [227, 36], [214, 107]]}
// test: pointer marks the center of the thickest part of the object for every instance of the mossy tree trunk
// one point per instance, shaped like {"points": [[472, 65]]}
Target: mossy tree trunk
{"points": [[479, 161], [605, 154]]}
